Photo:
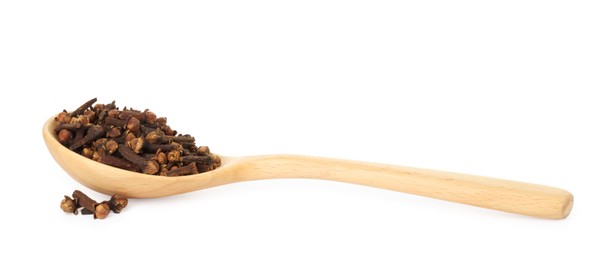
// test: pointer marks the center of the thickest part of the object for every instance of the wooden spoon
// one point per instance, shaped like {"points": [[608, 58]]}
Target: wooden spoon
{"points": [[510, 196]]}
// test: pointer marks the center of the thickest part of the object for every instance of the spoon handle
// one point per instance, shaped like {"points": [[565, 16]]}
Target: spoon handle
{"points": [[505, 195]]}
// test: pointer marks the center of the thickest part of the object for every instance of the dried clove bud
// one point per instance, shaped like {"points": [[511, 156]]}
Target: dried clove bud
{"points": [[93, 132], [196, 159], [216, 162], [126, 114], [117, 203], [162, 121], [113, 113], [135, 144], [69, 205], [147, 166], [90, 207], [129, 136], [161, 157], [87, 152], [116, 122], [63, 117], [90, 114], [79, 133], [111, 146], [85, 211], [71, 127], [154, 137], [159, 137], [117, 162], [96, 156], [150, 117], [168, 131], [148, 147], [100, 212], [83, 120], [105, 133], [65, 136]]}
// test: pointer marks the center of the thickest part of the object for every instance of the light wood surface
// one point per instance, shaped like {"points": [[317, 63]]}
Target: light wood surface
{"points": [[505, 195]]}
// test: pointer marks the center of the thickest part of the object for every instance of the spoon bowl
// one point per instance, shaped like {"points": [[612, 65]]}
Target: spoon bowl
{"points": [[505, 195], [111, 180]]}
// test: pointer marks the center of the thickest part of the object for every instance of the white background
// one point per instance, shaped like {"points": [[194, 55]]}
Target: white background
{"points": [[520, 90]]}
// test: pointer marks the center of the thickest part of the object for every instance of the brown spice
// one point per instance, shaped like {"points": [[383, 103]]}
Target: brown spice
{"points": [[71, 127], [83, 107], [69, 205], [117, 162], [117, 203], [111, 146], [134, 125], [184, 170], [101, 210], [197, 158], [157, 137], [114, 132], [63, 117], [65, 136], [83, 120], [174, 156], [90, 207], [203, 150], [94, 132], [99, 131], [150, 117], [87, 152], [85, 211], [136, 144], [112, 121], [161, 157], [148, 147]]}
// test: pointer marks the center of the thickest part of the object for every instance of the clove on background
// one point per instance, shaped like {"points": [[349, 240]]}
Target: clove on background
{"points": [[88, 206]]}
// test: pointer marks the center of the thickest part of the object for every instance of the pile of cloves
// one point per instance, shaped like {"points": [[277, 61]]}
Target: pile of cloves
{"points": [[132, 140], [91, 207]]}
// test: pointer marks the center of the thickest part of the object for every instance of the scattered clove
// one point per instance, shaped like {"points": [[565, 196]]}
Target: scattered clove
{"points": [[91, 207], [101, 210], [69, 205], [117, 162], [65, 136], [85, 211], [91, 135], [184, 170], [117, 203]]}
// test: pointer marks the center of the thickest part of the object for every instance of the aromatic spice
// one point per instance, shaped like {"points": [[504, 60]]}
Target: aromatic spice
{"points": [[69, 205], [101, 210], [117, 203], [91, 207], [132, 140]]}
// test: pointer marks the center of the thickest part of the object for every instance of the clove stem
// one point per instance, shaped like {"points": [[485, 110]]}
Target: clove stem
{"points": [[83, 107], [147, 166]]}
